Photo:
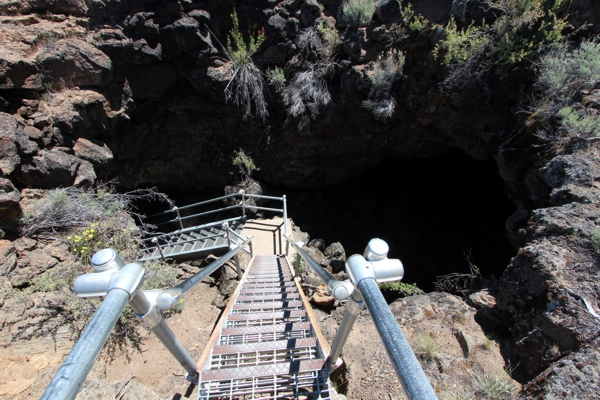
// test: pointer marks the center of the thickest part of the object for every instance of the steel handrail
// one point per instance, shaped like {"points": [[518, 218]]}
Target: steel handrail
{"points": [[195, 204], [338, 289], [179, 290], [69, 378], [405, 363], [260, 196], [198, 215]]}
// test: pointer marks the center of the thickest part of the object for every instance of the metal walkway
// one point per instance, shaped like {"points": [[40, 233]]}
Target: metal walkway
{"points": [[267, 344], [193, 242]]}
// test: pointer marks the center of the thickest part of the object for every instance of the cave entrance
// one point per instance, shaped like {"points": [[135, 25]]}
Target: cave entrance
{"points": [[430, 211]]}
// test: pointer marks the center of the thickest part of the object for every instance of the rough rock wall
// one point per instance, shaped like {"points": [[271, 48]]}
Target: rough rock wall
{"points": [[135, 90]]}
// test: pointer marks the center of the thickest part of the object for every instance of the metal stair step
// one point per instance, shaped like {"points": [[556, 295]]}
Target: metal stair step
{"points": [[267, 306], [286, 368], [279, 344], [295, 326], [277, 297], [265, 319]]}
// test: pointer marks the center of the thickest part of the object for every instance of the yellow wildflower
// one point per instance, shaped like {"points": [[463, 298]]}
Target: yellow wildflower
{"points": [[69, 237], [90, 236], [92, 231], [74, 250]]}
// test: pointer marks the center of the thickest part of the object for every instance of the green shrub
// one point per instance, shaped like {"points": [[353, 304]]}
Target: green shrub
{"points": [[245, 164], [426, 347], [496, 386], [407, 289], [387, 70], [60, 210], [415, 22], [276, 78], [521, 30], [459, 45], [331, 40], [595, 236], [246, 86], [295, 258], [238, 51], [565, 72], [580, 121], [359, 12]]}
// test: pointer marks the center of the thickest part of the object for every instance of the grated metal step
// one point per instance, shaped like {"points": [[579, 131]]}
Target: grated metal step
{"points": [[267, 344], [193, 242]]}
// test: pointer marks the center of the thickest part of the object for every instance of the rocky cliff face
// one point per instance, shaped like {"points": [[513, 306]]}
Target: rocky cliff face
{"points": [[135, 90]]}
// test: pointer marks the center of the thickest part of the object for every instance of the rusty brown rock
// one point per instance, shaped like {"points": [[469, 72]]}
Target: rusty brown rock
{"points": [[8, 257], [33, 264]]}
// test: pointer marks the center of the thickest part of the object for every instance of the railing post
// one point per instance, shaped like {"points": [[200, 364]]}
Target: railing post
{"points": [[155, 241], [297, 266], [243, 202], [353, 307], [238, 266], [178, 216], [149, 314], [286, 230], [225, 227]]}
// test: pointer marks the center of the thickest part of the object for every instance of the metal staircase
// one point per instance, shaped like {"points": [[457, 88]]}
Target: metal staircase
{"points": [[194, 242], [267, 344]]}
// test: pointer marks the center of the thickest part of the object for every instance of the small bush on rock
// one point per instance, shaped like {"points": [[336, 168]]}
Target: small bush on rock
{"points": [[387, 70], [244, 163], [276, 78], [306, 95], [359, 12], [426, 347], [62, 209], [407, 289], [246, 86]]}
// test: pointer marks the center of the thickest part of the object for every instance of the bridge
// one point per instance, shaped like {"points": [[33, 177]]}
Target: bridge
{"points": [[267, 343]]}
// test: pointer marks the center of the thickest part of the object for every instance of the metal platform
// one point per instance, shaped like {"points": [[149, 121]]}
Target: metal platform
{"points": [[267, 345], [193, 242]]}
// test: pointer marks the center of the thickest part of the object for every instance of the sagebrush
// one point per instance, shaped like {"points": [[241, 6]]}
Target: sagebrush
{"points": [[246, 85], [359, 12], [387, 70]]}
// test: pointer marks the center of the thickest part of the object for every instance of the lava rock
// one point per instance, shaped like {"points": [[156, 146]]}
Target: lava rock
{"points": [[33, 264], [192, 38], [114, 44], [144, 82], [50, 169], [75, 62], [8, 257], [9, 152], [95, 152], [18, 72], [387, 10]]}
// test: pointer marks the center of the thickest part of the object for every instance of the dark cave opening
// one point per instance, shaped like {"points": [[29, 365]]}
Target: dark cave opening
{"points": [[430, 211]]}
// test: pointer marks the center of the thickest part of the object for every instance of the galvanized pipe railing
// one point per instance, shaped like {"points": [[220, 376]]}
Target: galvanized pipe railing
{"points": [[165, 299], [119, 284], [79, 362], [405, 363], [338, 289], [365, 273]]}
